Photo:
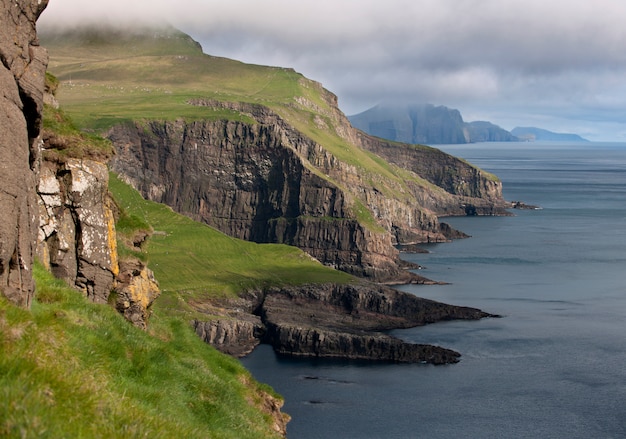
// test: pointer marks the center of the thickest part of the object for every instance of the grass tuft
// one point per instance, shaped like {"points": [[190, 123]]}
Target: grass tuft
{"points": [[62, 139]]}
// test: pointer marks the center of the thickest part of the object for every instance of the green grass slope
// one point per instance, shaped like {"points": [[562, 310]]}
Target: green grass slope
{"points": [[112, 76], [194, 262], [70, 368]]}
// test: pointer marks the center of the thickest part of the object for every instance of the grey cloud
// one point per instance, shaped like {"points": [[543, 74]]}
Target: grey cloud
{"points": [[562, 62]]}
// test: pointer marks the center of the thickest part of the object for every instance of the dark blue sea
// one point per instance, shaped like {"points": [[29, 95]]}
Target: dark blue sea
{"points": [[554, 366]]}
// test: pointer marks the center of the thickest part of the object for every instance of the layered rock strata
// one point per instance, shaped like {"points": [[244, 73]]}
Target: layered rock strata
{"points": [[22, 76], [474, 192], [267, 182], [333, 321]]}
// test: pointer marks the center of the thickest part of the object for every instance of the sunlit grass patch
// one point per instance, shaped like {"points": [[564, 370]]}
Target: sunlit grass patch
{"points": [[71, 368]]}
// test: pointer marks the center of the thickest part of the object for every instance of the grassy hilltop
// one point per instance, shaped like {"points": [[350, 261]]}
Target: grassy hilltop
{"points": [[110, 77]]}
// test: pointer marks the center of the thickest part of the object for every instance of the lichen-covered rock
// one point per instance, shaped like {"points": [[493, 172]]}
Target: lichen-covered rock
{"points": [[136, 290], [77, 239], [22, 73]]}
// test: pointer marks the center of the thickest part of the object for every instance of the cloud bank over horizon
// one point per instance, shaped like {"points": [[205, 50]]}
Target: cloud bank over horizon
{"points": [[555, 64]]}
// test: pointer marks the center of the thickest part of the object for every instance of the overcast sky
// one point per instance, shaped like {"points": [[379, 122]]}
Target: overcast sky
{"points": [[554, 64]]}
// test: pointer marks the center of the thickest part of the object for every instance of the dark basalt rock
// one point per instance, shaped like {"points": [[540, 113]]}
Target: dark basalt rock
{"points": [[315, 342], [22, 73], [334, 321], [523, 206]]}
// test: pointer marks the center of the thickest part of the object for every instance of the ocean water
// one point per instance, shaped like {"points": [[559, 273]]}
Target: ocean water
{"points": [[554, 366]]}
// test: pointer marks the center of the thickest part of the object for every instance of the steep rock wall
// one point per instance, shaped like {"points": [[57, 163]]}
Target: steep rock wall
{"points": [[465, 189], [266, 182], [22, 74], [471, 191], [247, 181]]}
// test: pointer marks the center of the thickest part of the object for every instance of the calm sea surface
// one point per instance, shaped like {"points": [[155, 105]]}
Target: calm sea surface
{"points": [[553, 367]]}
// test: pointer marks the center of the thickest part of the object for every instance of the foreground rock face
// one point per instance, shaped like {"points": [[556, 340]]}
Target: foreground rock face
{"points": [[334, 321], [266, 182], [22, 76], [77, 238]]}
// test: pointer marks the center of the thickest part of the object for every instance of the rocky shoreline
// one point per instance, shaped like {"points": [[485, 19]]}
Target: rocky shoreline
{"points": [[332, 321]]}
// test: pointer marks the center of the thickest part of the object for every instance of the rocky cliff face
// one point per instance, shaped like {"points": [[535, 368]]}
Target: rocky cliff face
{"points": [[468, 190], [333, 321], [77, 230], [77, 238], [136, 289], [22, 75], [251, 182], [482, 131], [267, 182]]}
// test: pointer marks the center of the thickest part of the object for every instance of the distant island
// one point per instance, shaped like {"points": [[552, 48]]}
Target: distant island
{"points": [[436, 125], [532, 134], [426, 124]]}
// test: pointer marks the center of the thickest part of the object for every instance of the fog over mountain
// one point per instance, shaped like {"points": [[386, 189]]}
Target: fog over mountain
{"points": [[558, 64]]}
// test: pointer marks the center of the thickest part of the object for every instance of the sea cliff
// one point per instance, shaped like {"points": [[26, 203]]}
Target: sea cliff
{"points": [[22, 75], [268, 182], [292, 172]]}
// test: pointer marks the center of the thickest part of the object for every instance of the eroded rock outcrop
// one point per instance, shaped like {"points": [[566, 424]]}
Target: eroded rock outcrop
{"points": [[316, 342], [136, 290], [333, 321], [22, 75], [77, 238]]}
